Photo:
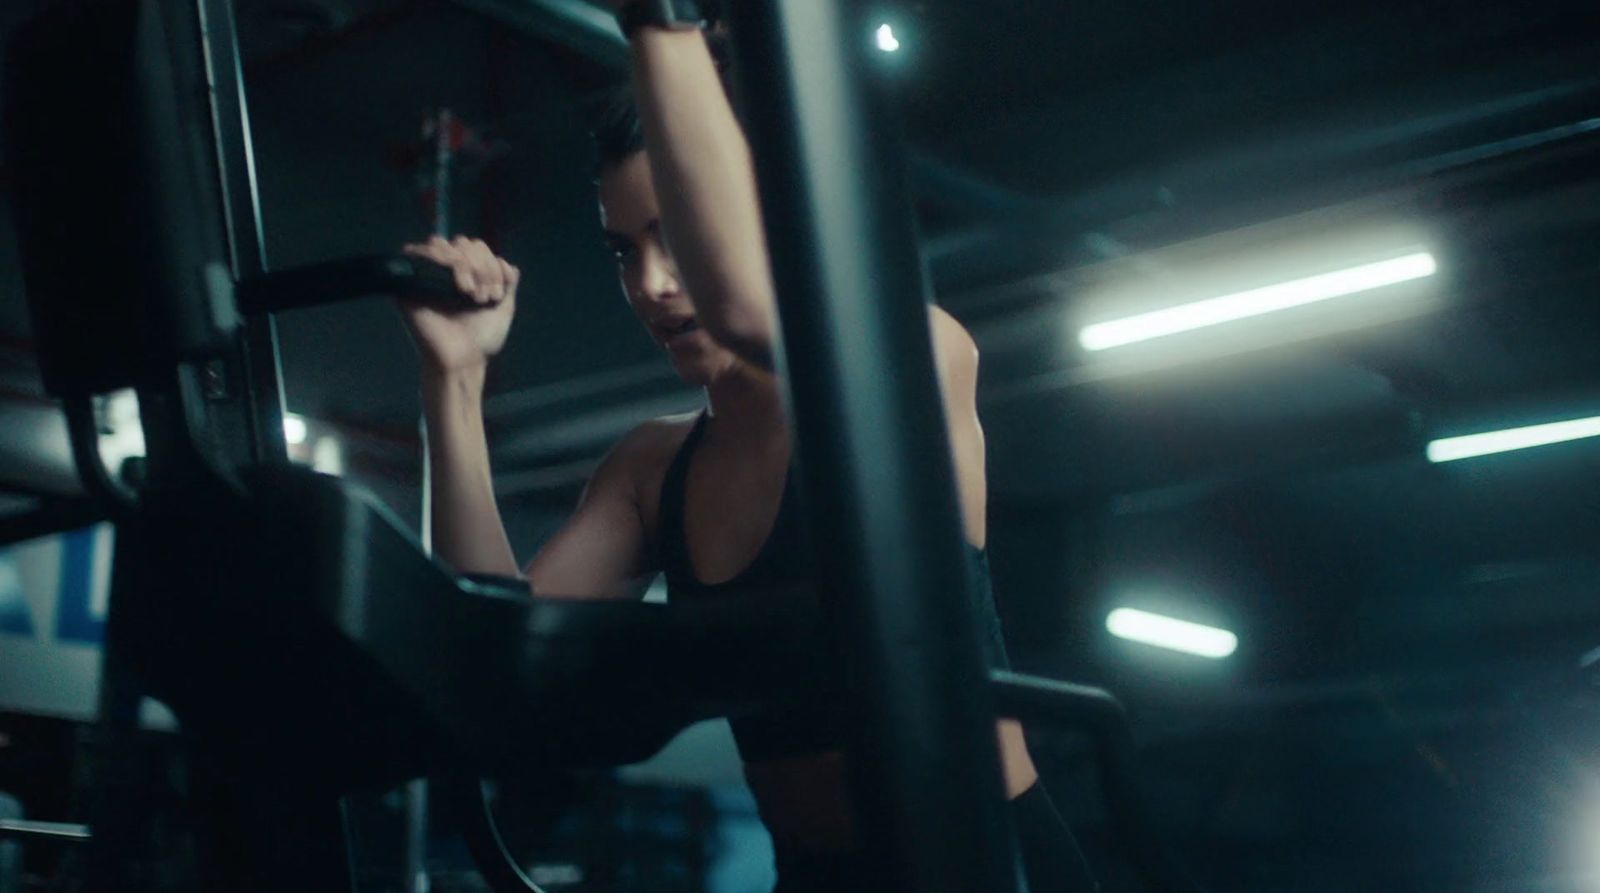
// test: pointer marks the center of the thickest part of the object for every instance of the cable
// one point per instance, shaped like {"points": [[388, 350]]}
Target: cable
{"points": [[500, 870]]}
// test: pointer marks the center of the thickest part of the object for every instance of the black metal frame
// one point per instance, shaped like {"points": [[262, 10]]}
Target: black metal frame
{"points": [[258, 369], [878, 481], [1098, 714]]}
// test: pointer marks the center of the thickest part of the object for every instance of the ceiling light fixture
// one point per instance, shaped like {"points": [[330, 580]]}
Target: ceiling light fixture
{"points": [[1171, 633], [1257, 301], [1450, 449], [294, 428], [886, 39]]}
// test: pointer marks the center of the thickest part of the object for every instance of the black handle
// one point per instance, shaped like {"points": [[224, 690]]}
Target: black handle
{"points": [[343, 280], [1064, 705]]}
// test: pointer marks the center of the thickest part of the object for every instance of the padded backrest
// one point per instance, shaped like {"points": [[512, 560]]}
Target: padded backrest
{"points": [[116, 196]]}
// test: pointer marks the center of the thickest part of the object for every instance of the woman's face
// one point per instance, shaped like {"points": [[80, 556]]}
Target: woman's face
{"points": [[632, 221]]}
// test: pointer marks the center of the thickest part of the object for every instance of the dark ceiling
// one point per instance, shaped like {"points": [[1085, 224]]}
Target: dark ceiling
{"points": [[1406, 710]]}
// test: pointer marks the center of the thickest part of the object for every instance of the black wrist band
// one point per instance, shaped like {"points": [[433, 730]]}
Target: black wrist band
{"points": [[671, 15]]}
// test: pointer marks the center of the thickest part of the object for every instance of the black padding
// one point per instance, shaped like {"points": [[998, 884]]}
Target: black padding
{"points": [[341, 280], [105, 132], [312, 631]]}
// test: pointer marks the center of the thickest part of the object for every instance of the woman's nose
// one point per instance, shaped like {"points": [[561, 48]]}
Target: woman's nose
{"points": [[658, 278]]}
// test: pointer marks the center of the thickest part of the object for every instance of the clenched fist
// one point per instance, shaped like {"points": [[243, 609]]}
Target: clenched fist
{"points": [[464, 339]]}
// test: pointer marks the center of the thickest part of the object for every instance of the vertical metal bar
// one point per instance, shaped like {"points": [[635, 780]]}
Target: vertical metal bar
{"points": [[270, 834], [443, 164], [878, 478], [117, 800], [443, 192], [236, 167], [414, 849]]}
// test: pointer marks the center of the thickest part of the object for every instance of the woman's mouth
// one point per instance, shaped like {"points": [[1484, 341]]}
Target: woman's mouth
{"points": [[676, 334]]}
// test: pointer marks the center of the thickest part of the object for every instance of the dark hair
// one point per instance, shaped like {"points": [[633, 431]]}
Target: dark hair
{"points": [[616, 129], [614, 114]]}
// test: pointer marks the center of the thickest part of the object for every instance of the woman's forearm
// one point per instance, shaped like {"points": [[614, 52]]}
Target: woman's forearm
{"points": [[707, 189], [467, 531]]}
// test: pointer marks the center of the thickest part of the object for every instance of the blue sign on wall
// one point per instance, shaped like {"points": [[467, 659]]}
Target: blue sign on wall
{"points": [[14, 616], [65, 577], [77, 619]]}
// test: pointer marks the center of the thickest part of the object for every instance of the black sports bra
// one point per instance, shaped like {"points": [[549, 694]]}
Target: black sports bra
{"points": [[797, 729], [782, 556]]}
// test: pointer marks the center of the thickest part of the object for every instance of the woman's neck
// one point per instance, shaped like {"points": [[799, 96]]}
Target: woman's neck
{"points": [[746, 402]]}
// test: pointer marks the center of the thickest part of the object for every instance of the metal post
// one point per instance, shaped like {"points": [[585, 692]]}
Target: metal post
{"points": [[241, 207], [414, 848], [878, 479]]}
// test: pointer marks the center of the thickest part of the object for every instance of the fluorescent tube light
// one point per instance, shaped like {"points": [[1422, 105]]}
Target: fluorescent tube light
{"points": [[1450, 449], [1171, 633], [1257, 301]]}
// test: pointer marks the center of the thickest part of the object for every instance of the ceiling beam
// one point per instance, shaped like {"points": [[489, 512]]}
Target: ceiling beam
{"points": [[592, 33], [585, 29]]}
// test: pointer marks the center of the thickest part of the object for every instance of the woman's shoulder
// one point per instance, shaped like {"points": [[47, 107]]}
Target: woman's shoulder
{"points": [[647, 452], [664, 434], [650, 447]]}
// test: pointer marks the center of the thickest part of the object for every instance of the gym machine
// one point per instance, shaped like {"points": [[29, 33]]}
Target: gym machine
{"points": [[306, 643]]}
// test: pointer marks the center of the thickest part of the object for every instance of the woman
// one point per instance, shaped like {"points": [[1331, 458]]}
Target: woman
{"points": [[702, 498]]}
